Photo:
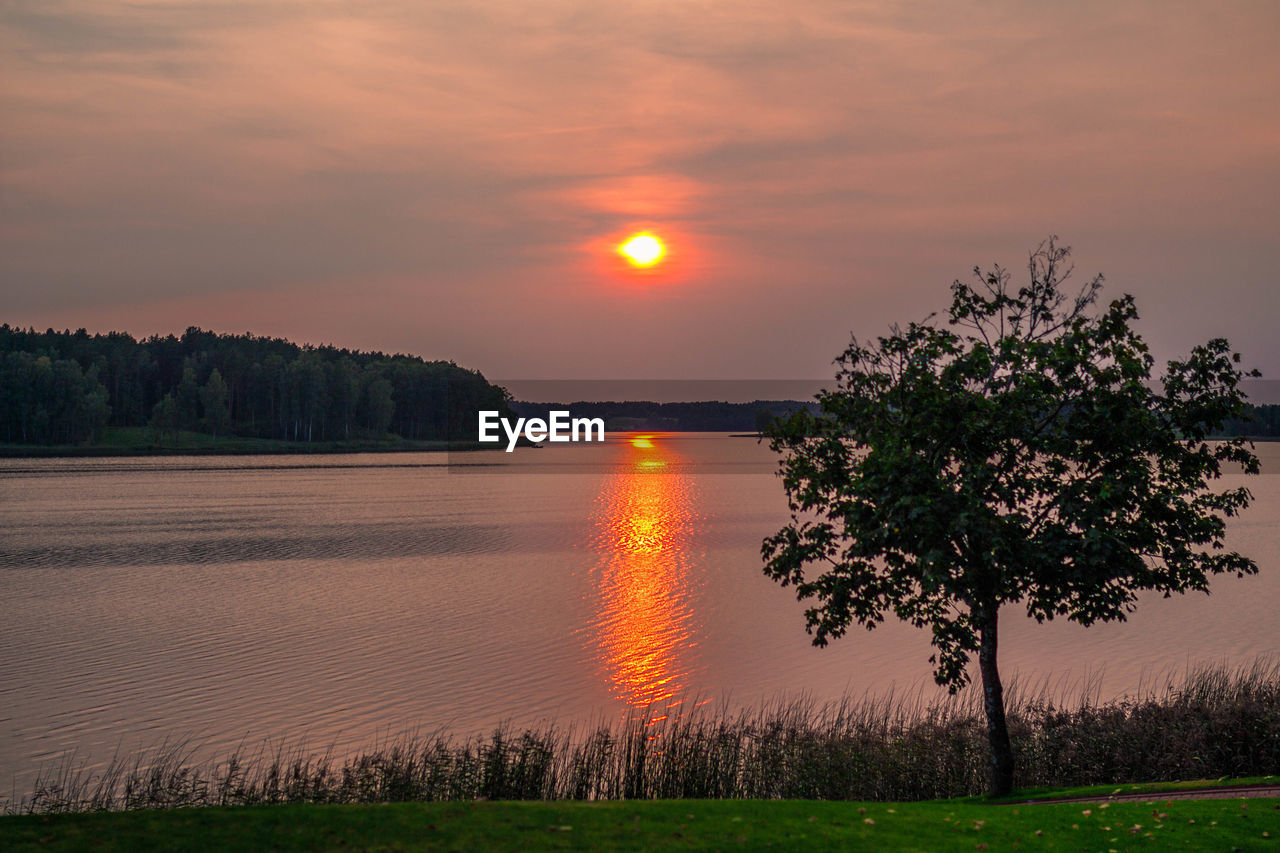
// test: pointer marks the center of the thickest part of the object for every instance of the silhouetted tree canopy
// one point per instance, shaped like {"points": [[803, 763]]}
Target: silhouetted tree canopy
{"points": [[66, 387], [1015, 454]]}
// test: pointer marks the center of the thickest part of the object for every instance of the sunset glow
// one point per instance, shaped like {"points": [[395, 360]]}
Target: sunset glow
{"points": [[380, 175], [645, 620], [643, 250]]}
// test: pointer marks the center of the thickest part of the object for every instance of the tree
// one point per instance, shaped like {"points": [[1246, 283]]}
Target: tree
{"points": [[213, 399], [187, 398], [377, 402], [308, 393], [165, 419], [764, 420], [344, 381], [1017, 454], [93, 410]]}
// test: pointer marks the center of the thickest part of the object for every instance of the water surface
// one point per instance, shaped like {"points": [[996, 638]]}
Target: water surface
{"points": [[344, 599]]}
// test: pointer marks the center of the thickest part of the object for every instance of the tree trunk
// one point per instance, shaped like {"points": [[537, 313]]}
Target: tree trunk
{"points": [[993, 702]]}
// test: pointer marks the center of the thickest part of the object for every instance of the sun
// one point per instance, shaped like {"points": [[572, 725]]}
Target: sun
{"points": [[642, 249]]}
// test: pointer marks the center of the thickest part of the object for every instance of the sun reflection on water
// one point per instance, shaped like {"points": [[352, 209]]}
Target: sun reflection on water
{"points": [[645, 624]]}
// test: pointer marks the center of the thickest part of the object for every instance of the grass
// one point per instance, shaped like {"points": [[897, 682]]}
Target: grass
{"points": [[1216, 825], [1155, 789], [1215, 723]]}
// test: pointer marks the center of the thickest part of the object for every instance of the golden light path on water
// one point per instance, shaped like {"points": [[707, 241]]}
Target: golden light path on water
{"points": [[645, 628]]}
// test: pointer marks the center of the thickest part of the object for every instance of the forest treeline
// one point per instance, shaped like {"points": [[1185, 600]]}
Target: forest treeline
{"points": [[68, 387], [1258, 422]]}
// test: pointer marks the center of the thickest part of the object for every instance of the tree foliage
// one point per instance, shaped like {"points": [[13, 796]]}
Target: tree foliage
{"points": [[1016, 454], [50, 400], [65, 387]]}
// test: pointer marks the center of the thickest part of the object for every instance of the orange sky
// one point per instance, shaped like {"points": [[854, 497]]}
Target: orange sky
{"points": [[449, 178]]}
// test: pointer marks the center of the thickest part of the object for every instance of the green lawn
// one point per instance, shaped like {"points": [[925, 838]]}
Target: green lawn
{"points": [[1124, 789], [1211, 825]]}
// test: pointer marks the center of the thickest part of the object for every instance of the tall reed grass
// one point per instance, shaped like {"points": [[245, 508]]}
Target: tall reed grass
{"points": [[1216, 722]]}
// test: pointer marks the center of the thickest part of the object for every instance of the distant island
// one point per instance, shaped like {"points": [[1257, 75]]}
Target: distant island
{"points": [[704, 416]]}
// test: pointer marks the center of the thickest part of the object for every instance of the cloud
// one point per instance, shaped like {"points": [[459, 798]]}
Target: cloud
{"points": [[825, 165]]}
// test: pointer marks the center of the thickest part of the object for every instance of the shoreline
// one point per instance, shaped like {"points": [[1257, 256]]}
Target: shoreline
{"points": [[279, 447], [233, 448]]}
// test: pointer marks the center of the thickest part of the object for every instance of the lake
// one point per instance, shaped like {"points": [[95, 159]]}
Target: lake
{"points": [[344, 599]]}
